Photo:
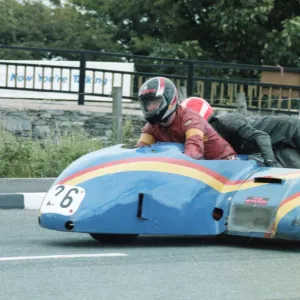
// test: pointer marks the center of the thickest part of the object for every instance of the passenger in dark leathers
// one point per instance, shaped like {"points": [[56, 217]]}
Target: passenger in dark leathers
{"points": [[169, 122], [277, 138]]}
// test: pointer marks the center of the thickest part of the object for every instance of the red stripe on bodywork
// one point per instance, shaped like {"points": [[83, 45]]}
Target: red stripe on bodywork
{"points": [[214, 174], [289, 199]]}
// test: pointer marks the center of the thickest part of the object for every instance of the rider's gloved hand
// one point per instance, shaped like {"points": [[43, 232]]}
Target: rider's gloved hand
{"points": [[272, 164]]}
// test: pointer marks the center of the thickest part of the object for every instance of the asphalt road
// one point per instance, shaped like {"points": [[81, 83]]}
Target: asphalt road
{"points": [[151, 268]]}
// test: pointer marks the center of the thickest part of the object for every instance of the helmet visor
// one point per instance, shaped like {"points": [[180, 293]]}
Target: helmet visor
{"points": [[153, 106]]}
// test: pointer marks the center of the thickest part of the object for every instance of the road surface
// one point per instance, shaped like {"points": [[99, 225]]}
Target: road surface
{"points": [[36, 263]]}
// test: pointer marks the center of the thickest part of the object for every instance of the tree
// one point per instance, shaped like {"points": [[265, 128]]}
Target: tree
{"points": [[145, 28], [240, 28], [253, 31], [224, 30], [33, 24]]}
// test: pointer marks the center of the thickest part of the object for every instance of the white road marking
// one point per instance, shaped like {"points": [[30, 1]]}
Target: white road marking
{"points": [[61, 256]]}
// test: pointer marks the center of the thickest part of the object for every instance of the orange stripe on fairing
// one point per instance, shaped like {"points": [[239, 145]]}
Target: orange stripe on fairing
{"points": [[284, 208]]}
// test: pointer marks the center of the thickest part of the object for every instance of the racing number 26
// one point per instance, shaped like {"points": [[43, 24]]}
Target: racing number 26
{"points": [[67, 200]]}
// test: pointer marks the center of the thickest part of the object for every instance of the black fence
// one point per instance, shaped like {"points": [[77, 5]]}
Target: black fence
{"points": [[265, 87]]}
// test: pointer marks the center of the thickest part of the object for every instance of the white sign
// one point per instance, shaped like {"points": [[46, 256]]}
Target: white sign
{"points": [[60, 78], [63, 199]]}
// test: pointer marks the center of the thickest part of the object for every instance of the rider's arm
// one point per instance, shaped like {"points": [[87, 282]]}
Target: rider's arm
{"points": [[249, 134], [147, 137], [193, 127]]}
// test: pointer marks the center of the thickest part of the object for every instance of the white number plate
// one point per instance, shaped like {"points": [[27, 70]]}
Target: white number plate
{"points": [[63, 199]]}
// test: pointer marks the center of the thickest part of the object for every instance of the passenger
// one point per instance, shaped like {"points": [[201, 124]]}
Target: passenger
{"points": [[277, 138]]}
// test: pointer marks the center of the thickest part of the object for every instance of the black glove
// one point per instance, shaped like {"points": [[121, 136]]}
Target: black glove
{"points": [[272, 164]]}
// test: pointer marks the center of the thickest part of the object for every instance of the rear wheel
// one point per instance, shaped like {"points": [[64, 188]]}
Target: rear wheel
{"points": [[108, 238]]}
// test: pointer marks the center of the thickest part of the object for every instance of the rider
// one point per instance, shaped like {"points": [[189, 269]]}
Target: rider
{"points": [[275, 137], [169, 122]]}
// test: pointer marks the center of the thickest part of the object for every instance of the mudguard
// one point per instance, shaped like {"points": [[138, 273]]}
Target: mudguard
{"points": [[159, 190]]}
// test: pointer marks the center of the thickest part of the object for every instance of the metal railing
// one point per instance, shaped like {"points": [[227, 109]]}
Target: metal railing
{"points": [[217, 82]]}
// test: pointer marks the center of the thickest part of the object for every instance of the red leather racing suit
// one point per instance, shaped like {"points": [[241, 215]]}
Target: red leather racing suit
{"points": [[198, 136]]}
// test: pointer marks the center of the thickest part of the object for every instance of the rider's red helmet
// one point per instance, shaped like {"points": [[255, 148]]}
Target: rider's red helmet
{"points": [[201, 106]]}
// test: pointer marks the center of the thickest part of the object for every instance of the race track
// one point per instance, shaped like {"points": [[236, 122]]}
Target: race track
{"points": [[152, 268]]}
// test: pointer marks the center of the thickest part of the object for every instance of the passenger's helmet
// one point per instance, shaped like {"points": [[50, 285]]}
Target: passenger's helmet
{"points": [[158, 98], [201, 106]]}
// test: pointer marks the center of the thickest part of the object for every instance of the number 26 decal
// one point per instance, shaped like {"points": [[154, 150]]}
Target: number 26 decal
{"points": [[67, 200], [63, 199]]}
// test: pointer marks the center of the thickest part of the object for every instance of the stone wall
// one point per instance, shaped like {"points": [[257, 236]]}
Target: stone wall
{"points": [[38, 123]]}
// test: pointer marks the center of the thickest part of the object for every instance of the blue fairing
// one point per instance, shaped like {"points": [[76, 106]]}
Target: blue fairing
{"points": [[168, 208], [172, 204], [160, 190]]}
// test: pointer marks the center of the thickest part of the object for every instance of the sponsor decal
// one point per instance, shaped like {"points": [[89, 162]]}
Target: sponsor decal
{"points": [[257, 201]]}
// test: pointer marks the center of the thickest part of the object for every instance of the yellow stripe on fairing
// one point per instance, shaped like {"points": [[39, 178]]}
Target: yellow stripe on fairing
{"points": [[166, 168], [284, 210]]}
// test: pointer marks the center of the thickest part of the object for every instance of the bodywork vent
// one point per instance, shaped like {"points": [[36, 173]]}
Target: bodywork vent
{"points": [[268, 180]]}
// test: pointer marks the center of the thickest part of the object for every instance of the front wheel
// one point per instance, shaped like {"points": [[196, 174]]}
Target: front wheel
{"points": [[108, 238]]}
